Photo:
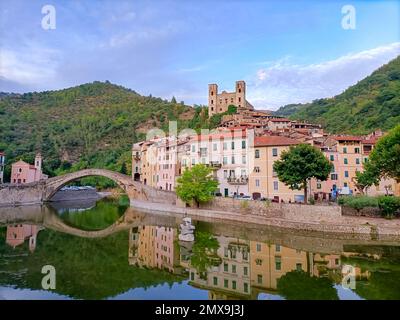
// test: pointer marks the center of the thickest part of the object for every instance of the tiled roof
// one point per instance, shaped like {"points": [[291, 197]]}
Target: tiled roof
{"points": [[274, 141], [347, 138]]}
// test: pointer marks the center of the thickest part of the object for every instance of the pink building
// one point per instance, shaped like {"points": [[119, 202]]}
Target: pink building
{"points": [[167, 164], [22, 172], [166, 257], [17, 234]]}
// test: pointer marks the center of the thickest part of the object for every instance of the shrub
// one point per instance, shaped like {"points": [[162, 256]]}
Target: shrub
{"points": [[358, 202], [388, 205]]}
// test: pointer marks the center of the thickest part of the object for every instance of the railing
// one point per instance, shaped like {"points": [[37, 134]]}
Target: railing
{"points": [[239, 180], [214, 165]]}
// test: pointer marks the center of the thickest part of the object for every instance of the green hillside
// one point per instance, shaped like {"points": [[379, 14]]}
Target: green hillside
{"points": [[91, 125], [372, 103]]}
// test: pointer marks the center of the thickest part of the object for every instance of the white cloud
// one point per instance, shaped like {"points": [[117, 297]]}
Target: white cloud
{"points": [[29, 66], [284, 82]]}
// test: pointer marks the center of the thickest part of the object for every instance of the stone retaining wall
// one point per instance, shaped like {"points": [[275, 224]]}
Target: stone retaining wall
{"points": [[290, 211], [365, 212]]}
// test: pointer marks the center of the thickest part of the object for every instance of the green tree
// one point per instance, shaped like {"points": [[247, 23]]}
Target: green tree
{"points": [[365, 179], [385, 157], [173, 100], [300, 163], [196, 184]]}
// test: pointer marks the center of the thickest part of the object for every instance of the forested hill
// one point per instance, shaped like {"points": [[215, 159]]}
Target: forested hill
{"points": [[91, 125], [372, 103]]}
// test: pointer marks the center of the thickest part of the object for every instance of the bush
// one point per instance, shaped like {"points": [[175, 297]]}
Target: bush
{"points": [[358, 202], [388, 205]]}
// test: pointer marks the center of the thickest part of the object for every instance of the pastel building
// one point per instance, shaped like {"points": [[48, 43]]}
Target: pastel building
{"points": [[22, 172], [2, 165], [263, 180], [227, 153], [17, 234]]}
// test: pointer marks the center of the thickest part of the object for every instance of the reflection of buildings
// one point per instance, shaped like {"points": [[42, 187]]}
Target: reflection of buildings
{"points": [[154, 247], [17, 234], [232, 277], [249, 268], [271, 261]]}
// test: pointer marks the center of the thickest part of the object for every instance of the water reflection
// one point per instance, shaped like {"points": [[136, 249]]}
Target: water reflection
{"points": [[139, 256]]}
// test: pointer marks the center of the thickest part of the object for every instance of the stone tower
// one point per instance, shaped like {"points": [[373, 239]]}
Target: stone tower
{"points": [[241, 94], [38, 162], [212, 99]]}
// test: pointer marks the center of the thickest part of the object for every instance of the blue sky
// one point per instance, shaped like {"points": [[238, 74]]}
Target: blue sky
{"points": [[287, 51]]}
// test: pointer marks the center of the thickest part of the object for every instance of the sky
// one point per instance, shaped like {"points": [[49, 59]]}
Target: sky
{"points": [[287, 51]]}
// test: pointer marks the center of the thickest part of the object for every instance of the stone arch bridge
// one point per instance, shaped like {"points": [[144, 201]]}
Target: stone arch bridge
{"points": [[43, 191]]}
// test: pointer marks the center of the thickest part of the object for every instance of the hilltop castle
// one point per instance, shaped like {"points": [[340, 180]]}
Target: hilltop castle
{"points": [[219, 102]]}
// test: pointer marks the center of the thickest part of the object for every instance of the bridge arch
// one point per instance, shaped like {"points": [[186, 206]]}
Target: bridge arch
{"points": [[133, 189]]}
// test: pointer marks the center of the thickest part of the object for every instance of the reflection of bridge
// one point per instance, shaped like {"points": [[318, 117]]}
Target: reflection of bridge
{"points": [[42, 191]]}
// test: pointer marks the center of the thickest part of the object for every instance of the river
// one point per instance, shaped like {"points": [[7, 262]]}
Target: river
{"points": [[107, 250]]}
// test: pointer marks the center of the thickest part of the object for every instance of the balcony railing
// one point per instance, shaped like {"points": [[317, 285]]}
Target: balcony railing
{"points": [[214, 165], [239, 180]]}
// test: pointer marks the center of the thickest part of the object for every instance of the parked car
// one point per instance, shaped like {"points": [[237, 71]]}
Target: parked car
{"points": [[245, 198]]}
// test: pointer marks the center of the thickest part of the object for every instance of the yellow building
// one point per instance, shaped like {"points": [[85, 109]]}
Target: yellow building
{"points": [[269, 262], [263, 180]]}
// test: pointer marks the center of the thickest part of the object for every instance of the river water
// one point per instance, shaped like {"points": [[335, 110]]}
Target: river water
{"points": [[107, 250]]}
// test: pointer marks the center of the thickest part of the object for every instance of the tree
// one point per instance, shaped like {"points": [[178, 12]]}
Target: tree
{"points": [[365, 179], [196, 184], [385, 157], [298, 285], [301, 163], [173, 100]]}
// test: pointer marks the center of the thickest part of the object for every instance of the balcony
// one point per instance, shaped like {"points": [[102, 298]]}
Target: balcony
{"points": [[215, 165], [238, 181]]}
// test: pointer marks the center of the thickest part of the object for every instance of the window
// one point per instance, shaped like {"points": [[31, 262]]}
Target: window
{"points": [[233, 160], [245, 287], [319, 186], [334, 176], [192, 276], [275, 185], [215, 147], [226, 252], [225, 267], [258, 247], [243, 159], [256, 169], [257, 182], [243, 144], [278, 263], [233, 145], [274, 152], [257, 153], [245, 271], [344, 150], [226, 283], [299, 266], [215, 281], [233, 284], [225, 146], [346, 174], [225, 160], [259, 278], [357, 161], [193, 161], [357, 150], [19, 170], [233, 268], [277, 248], [345, 161], [332, 157], [345, 184], [225, 174], [193, 148], [233, 254]]}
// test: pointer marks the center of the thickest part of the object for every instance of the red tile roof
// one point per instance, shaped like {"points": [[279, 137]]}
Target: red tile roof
{"points": [[347, 138], [280, 120], [265, 141]]}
